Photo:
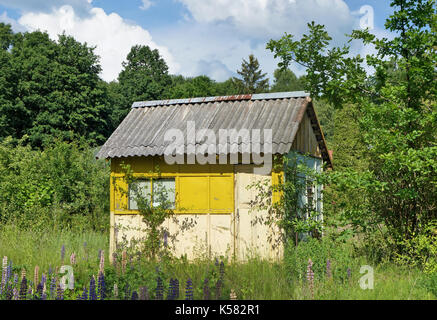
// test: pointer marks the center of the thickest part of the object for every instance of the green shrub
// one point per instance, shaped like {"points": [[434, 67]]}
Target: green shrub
{"points": [[60, 186]]}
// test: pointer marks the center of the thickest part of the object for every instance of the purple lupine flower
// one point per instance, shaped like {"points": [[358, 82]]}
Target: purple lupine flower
{"points": [[101, 286], [127, 292], [50, 272], [176, 288], [189, 290], [84, 294], [62, 253], [216, 262], [43, 280], [349, 273], [59, 293], [30, 291], [144, 293], [170, 290], [206, 291], [328, 269], [38, 293], [173, 289], [52, 287], [159, 292], [92, 294], [9, 271], [23, 289], [134, 296], [218, 289], [15, 294], [9, 292], [222, 271]]}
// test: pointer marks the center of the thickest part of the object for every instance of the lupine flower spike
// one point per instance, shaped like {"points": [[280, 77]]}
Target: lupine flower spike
{"points": [[62, 254], [92, 295], [206, 292], [189, 290], [73, 259], [159, 289]]}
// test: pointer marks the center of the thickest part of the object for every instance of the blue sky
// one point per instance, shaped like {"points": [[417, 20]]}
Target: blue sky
{"points": [[194, 36]]}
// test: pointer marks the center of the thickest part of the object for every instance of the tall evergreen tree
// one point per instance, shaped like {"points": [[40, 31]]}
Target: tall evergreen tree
{"points": [[252, 79], [286, 80]]}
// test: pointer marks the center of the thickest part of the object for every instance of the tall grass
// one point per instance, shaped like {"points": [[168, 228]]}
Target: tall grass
{"points": [[254, 279]]}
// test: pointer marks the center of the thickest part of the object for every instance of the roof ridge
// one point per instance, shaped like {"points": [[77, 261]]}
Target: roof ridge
{"points": [[257, 96]]}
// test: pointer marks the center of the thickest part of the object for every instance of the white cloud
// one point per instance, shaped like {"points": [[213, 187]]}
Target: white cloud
{"points": [[16, 27], [146, 4], [267, 18], [81, 7], [111, 35]]}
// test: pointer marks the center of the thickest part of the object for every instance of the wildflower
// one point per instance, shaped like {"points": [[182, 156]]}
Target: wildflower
{"points": [[144, 294], [43, 279], [73, 259], [159, 289], [349, 273], [15, 294], [92, 295], [233, 295], [134, 296], [127, 292], [38, 293], [222, 270], [216, 262], [36, 275], [23, 288], [9, 271], [52, 287], [101, 286], [206, 292], [173, 289], [328, 269], [62, 253], [189, 290], [123, 261], [84, 294], [59, 293], [310, 277]]}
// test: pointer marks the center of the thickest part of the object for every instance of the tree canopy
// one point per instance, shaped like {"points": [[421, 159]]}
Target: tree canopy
{"points": [[252, 79], [398, 113]]}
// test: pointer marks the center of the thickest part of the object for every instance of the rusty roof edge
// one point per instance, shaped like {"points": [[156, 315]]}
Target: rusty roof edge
{"points": [[258, 96]]}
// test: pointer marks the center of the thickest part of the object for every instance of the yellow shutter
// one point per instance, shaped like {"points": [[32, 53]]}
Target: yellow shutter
{"points": [[193, 194]]}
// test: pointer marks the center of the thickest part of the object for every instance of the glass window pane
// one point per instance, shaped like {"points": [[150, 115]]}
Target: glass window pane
{"points": [[138, 188], [164, 191]]}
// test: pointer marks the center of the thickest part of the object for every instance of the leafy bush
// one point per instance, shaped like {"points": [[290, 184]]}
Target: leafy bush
{"points": [[60, 186]]}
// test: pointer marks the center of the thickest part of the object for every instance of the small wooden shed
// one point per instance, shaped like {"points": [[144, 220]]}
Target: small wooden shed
{"points": [[214, 194]]}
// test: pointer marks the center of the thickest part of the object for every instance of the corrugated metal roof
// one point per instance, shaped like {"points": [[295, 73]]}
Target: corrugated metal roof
{"points": [[142, 132]]}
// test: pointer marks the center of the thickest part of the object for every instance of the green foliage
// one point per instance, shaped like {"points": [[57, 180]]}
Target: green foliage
{"points": [[421, 250], [320, 251], [252, 79], [200, 86], [144, 77], [51, 89], [286, 80], [397, 116], [60, 186]]}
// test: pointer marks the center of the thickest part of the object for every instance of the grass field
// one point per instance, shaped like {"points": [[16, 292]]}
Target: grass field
{"points": [[253, 279]]}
